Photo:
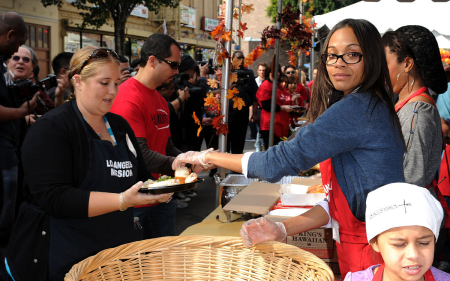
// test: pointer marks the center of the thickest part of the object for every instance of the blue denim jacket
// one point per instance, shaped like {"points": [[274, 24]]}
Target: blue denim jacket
{"points": [[357, 134]]}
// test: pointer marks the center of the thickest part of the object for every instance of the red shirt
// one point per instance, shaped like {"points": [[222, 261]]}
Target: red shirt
{"points": [[281, 117], [302, 91], [146, 111], [310, 83]]}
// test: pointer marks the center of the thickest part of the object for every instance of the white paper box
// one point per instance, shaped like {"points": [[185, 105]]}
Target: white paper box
{"points": [[295, 195]]}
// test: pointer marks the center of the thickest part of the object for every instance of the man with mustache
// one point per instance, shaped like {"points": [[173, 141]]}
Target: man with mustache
{"points": [[149, 117]]}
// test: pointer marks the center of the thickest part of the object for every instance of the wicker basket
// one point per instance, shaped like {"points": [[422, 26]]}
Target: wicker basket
{"points": [[201, 258]]}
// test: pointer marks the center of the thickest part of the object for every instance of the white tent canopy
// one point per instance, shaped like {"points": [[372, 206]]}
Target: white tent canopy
{"points": [[391, 14]]}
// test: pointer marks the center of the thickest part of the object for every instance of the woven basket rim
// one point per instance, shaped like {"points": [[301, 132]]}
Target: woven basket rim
{"points": [[231, 243]]}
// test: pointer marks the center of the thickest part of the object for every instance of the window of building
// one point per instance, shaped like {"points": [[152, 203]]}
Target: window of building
{"points": [[39, 41]]}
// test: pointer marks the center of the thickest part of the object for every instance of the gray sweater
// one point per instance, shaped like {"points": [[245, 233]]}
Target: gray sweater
{"points": [[421, 128]]}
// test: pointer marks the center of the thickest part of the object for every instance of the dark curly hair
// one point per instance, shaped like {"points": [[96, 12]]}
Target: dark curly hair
{"points": [[418, 43]]}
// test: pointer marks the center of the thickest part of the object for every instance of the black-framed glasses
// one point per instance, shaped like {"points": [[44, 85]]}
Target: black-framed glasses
{"points": [[290, 72], [348, 58], [172, 64], [99, 53], [24, 59]]}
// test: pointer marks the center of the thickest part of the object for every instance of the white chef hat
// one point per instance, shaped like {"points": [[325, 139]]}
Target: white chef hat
{"points": [[402, 204]]}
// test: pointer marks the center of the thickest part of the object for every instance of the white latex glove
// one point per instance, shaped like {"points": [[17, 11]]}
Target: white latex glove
{"points": [[260, 230], [193, 157], [132, 197]]}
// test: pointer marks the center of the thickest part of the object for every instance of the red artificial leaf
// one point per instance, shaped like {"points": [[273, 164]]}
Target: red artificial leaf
{"points": [[222, 129], [217, 121], [235, 15], [216, 107], [238, 103], [243, 26], [240, 33]]}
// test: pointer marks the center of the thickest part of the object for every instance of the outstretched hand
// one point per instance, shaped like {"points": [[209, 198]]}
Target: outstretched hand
{"points": [[193, 157]]}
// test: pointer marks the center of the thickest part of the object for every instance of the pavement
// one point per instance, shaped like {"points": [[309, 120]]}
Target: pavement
{"points": [[205, 202]]}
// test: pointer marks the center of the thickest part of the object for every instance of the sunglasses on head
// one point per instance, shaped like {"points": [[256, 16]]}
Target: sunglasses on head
{"points": [[98, 53], [24, 59], [290, 72], [172, 64]]}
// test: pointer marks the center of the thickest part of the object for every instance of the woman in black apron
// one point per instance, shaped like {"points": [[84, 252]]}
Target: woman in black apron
{"points": [[81, 166]]}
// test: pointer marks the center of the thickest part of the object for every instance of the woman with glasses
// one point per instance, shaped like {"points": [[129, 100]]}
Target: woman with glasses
{"points": [[354, 131], [81, 164]]}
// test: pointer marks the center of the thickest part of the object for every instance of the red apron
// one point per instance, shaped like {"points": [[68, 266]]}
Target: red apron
{"points": [[354, 252], [428, 276], [444, 180]]}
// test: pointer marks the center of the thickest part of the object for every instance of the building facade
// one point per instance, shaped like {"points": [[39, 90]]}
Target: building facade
{"points": [[53, 30]]}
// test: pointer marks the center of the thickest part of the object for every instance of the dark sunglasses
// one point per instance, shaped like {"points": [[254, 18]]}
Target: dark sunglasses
{"points": [[172, 64], [290, 72], [98, 53], [24, 59]]}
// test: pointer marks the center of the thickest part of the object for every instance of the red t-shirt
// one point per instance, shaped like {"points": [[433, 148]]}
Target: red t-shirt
{"points": [[146, 111], [302, 91], [310, 83], [281, 117]]}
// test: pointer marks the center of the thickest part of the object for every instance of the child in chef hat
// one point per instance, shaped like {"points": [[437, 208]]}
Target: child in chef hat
{"points": [[402, 224]]}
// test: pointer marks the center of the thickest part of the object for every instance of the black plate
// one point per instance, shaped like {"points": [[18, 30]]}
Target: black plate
{"points": [[172, 188]]}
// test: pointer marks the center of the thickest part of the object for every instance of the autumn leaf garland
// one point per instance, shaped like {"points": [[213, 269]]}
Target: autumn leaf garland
{"points": [[222, 35]]}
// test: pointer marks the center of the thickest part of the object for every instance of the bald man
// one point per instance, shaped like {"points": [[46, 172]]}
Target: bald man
{"points": [[13, 33]]}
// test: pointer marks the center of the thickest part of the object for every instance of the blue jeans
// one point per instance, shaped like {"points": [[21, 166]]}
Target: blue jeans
{"points": [[161, 219], [8, 207]]}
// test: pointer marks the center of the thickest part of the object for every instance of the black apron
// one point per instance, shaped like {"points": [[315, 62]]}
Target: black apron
{"points": [[111, 169]]}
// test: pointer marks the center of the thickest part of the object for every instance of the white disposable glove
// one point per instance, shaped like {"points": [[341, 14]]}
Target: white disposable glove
{"points": [[260, 230], [132, 197], [193, 157]]}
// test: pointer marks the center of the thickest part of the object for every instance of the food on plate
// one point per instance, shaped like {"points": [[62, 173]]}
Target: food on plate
{"points": [[318, 188], [191, 178], [163, 181], [316, 167], [181, 174]]}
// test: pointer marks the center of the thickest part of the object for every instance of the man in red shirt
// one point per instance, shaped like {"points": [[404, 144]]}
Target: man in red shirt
{"points": [[148, 114], [290, 72]]}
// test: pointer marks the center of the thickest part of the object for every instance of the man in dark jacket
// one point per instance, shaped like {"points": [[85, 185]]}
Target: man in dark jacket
{"points": [[193, 77]]}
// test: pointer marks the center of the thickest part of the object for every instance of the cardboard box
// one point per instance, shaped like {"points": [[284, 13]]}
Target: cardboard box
{"points": [[295, 195], [259, 198]]}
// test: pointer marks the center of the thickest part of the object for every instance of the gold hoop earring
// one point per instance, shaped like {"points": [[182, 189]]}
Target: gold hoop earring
{"points": [[399, 75]]}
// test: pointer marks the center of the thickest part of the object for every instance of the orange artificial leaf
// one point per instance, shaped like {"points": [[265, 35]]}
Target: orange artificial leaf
{"points": [[210, 101], [199, 130], [196, 118], [217, 32], [243, 26], [213, 83], [238, 103], [235, 63], [226, 36], [232, 92], [216, 107], [247, 8], [220, 60], [240, 33], [233, 77]]}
